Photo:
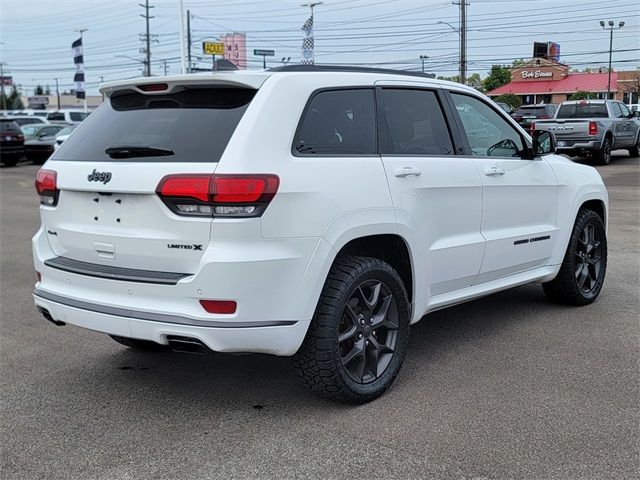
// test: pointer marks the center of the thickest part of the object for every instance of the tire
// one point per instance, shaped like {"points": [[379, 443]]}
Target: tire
{"points": [[10, 161], [343, 347], [634, 151], [142, 345], [604, 154], [574, 285]]}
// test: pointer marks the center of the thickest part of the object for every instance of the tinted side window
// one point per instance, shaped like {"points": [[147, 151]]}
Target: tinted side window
{"points": [[56, 116], [338, 122], [415, 123], [77, 116], [488, 133]]}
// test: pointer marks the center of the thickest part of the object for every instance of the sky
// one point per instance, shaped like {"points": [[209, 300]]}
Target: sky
{"points": [[36, 35]]}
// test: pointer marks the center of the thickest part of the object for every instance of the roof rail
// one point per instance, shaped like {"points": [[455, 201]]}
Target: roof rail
{"points": [[348, 68]]}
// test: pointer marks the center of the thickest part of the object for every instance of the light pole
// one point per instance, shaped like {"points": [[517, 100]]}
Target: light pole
{"points": [[423, 58], [58, 93], [102, 81], [611, 28], [463, 67], [311, 5]]}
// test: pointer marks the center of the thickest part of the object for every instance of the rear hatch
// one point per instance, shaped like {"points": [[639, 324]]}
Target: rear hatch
{"points": [[10, 134], [109, 169]]}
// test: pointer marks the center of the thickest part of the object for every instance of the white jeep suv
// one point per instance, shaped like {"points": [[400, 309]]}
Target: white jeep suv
{"points": [[305, 211]]}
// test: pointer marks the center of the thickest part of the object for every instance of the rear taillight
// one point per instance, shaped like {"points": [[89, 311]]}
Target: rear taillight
{"points": [[544, 117], [20, 137], [533, 126], [218, 195], [593, 128], [46, 187]]}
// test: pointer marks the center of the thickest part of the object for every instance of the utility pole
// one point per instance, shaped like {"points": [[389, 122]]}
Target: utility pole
{"points": [[4, 96], [462, 31], [188, 41], [147, 17], [183, 59], [165, 67], [58, 93], [102, 81], [610, 27]]}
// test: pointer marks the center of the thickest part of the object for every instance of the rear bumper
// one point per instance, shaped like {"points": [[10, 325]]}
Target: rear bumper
{"points": [[566, 145], [275, 283], [12, 150], [276, 338]]}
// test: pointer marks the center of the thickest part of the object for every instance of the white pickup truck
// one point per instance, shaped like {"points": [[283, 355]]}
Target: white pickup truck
{"points": [[594, 128]]}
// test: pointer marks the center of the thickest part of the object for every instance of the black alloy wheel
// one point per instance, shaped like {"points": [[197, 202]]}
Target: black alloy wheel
{"points": [[588, 259], [584, 266], [604, 155], [357, 339], [368, 332]]}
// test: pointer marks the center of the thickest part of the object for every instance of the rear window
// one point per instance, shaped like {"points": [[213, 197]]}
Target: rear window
{"points": [[583, 110], [28, 120], [195, 124], [532, 111], [9, 126]]}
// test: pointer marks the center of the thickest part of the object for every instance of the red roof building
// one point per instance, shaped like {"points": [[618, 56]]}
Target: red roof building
{"points": [[544, 81]]}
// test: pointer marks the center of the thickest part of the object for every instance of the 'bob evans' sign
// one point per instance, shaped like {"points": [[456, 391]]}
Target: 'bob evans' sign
{"points": [[536, 74]]}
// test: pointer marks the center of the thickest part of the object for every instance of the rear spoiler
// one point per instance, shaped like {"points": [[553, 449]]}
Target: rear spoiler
{"points": [[253, 80]]}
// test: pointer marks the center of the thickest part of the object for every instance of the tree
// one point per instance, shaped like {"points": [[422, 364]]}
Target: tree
{"points": [[13, 100], [450, 79], [510, 99], [518, 63], [39, 90], [498, 76], [582, 95], [475, 81], [47, 90], [633, 87]]}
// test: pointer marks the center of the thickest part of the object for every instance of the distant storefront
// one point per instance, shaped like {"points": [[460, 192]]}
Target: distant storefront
{"points": [[541, 80]]}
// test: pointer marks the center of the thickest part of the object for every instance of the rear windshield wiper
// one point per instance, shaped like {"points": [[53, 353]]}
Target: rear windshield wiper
{"points": [[128, 151]]}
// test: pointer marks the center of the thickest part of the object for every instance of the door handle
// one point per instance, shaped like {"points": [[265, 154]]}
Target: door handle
{"points": [[494, 171], [406, 172]]}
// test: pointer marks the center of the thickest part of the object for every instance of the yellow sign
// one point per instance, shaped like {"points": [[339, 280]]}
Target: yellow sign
{"points": [[213, 48]]}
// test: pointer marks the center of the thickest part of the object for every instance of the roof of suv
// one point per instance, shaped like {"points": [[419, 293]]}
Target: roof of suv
{"points": [[255, 78]]}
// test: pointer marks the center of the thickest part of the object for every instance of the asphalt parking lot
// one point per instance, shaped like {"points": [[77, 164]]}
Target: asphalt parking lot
{"points": [[507, 387]]}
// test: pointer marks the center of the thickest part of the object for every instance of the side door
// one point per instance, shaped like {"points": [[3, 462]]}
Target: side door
{"points": [[519, 220], [436, 193], [627, 125]]}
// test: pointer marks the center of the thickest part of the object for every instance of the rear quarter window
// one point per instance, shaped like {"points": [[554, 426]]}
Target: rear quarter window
{"points": [[338, 122], [195, 123]]}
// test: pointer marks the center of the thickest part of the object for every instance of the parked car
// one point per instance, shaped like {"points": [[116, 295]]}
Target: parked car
{"points": [[506, 107], [36, 113], [11, 142], [526, 114], [67, 116], [283, 215], [38, 150], [64, 134], [634, 107], [594, 128], [23, 120], [35, 130]]}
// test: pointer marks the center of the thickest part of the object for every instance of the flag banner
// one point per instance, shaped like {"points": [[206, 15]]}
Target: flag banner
{"points": [[307, 42], [78, 60]]}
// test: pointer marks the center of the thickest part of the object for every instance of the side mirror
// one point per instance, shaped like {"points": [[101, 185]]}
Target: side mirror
{"points": [[635, 114], [544, 142]]}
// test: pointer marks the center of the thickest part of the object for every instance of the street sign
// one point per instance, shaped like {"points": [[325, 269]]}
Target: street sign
{"points": [[265, 53], [213, 48]]}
